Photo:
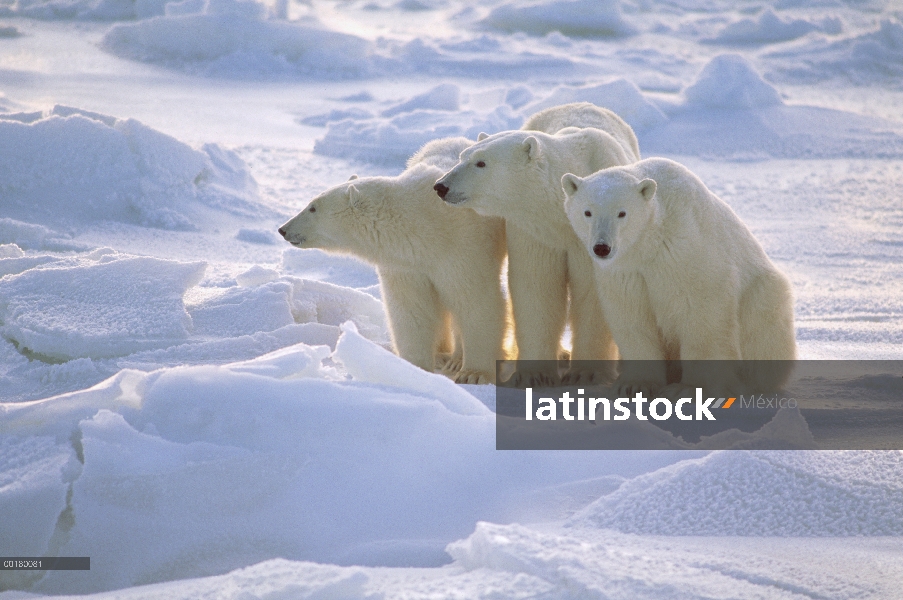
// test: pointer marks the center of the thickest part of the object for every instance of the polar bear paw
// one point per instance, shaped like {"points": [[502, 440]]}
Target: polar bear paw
{"points": [[473, 376]]}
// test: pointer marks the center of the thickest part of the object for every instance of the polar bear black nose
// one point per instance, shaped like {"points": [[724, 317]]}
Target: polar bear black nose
{"points": [[282, 232], [601, 250], [441, 190]]}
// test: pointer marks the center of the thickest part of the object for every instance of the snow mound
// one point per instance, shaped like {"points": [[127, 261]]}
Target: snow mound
{"points": [[620, 96], [729, 81], [392, 141], [480, 58], [581, 18], [872, 58], [232, 37], [87, 10], [102, 306], [731, 112], [238, 311], [67, 166], [769, 28], [302, 453], [444, 96], [738, 493], [29, 236]]}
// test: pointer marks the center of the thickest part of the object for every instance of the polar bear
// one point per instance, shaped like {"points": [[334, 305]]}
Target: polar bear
{"points": [[516, 175], [584, 114], [434, 262], [681, 278]]}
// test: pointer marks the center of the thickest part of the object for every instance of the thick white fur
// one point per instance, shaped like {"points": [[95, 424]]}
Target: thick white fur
{"points": [[434, 261], [520, 181], [584, 114], [685, 278]]}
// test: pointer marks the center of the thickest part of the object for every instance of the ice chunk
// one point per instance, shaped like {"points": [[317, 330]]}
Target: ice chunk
{"points": [[444, 96], [67, 166], [620, 96], [769, 28], [243, 310], [367, 362], [729, 81], [109, 307], [585, 18]]}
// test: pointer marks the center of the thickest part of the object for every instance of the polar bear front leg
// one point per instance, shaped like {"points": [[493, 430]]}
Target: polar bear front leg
{"points": [[537, 282], [590, 335], [415, 316], [629, 314], [710, 348], [476, 303]]}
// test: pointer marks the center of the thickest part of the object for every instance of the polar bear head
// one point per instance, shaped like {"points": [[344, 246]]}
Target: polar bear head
{"points": [[609, 211], [491, 175], [338, 218]]}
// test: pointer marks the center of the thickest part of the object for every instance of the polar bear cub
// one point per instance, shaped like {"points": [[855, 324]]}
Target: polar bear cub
{"points": [[435, 263], [680, 276], [516, 175]]}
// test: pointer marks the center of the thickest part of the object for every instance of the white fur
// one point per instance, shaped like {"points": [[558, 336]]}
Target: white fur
{"points": [[434, 262], [584, 114], [516, 175], [684, 278]]}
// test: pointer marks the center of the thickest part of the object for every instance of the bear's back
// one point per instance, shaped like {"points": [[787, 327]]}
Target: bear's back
{"points": [[441, 153], [690, 206], [584, 114]]}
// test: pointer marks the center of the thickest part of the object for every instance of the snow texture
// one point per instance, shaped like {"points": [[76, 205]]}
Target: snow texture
{"points": [[70, 167], [209, 413], [570, 17]]}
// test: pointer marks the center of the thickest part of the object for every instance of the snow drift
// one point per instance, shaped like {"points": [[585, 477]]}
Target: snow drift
{"points": [[871, 58], [351, 455], [584, 18], [67, 167], [731, 112], [232, 37], [760, 494]]}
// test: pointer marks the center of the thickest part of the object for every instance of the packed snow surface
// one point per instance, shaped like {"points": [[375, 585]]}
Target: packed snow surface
{"points": [[208, 412]]}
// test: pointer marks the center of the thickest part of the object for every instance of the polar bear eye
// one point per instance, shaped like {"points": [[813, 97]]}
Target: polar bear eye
{"points": [[622, 214], [587, 213], [313, 209], [481, 164]]}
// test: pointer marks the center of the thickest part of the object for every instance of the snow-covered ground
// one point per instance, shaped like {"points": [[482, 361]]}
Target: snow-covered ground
{"points": [[208, 412]]}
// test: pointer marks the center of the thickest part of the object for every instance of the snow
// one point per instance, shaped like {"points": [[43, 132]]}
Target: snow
{"points": [[570, 17], [229, 36], [769, 28], [872, 57], [102, 306], [66, 166], [208, 412], [796, 494]]}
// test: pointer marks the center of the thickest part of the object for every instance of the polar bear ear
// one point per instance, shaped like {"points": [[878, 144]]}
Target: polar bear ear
{"points": [[570, 183], [531, 147], [483, 135], [352, 178], [647, 188], [354, 196]]}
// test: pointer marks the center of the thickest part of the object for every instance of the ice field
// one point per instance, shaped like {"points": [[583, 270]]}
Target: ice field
{"points": [[208, 412]]}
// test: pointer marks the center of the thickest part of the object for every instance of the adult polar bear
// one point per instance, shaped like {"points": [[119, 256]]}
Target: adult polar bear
{"points": [[436, 264], [516, 175], [685, 277]]}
